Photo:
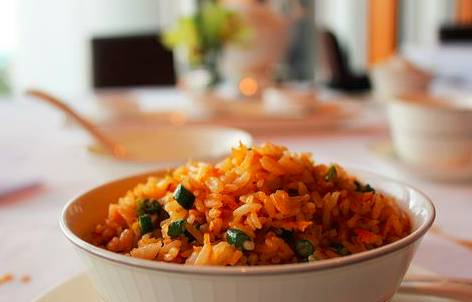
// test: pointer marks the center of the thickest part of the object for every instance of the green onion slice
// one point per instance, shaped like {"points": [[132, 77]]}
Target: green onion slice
{"points": [[176, 228], [184, 197], [363, 188], [340, 249], [148, 206], [145, 223], [332, 174], [239, 239], [304, 248]]}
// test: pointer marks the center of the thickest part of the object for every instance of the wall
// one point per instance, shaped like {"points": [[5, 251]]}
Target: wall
{"points": [[53, 37], [347, 19], [421, 19], [8, 37], [419, 22], [52, 50]]}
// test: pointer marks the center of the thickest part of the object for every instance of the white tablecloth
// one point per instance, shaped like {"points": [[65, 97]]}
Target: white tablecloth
{"points": [[35, 145]]}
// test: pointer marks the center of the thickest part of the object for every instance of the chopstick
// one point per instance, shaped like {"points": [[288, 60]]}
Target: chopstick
{"points": [[452, 288], [19, 190], [428, 278], [462, 242]]}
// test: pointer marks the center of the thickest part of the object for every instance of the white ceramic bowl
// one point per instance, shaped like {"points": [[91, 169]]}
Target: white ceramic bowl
{"points": [[158, 148], [398, 76], [372, 276], [438, 137]]}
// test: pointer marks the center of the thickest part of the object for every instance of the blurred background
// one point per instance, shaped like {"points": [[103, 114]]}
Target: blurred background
{"points": [[57, 45], [377, 85]]}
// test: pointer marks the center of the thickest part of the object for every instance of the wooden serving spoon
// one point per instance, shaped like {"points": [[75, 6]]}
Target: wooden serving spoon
{"points": [[109, 144]]}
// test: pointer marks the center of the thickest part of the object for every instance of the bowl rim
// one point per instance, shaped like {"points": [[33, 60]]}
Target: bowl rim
{"points": [[262, 270], [89, 151]]}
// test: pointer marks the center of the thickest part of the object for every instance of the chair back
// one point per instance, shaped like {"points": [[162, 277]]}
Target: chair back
{"points": [[131, 60]]}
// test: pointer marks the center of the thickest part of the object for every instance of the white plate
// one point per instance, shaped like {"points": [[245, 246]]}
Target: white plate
{"points": [[175, 144], [252, 117], [385, 150], [155, 148], [80, 288]]}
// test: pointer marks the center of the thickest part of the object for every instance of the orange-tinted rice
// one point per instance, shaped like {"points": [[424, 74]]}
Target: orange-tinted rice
{"points": [[274, 196]]}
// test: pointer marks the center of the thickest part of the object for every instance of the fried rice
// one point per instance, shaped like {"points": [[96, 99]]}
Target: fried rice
{"points": [[261, 205]]}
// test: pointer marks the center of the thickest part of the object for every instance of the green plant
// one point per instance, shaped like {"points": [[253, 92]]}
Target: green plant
{"points": [[206, 32], [4, 80]]}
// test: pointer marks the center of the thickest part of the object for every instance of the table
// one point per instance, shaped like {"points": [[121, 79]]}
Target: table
{"points": [[35, 143]]}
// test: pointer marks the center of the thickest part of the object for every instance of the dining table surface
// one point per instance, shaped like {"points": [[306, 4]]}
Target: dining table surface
{"points": [[45, 155]]}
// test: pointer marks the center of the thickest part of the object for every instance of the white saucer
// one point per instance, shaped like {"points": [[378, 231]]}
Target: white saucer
{"points": [[80, 288], [153, 148], [253, 118], [385, 150], [76, 289]]}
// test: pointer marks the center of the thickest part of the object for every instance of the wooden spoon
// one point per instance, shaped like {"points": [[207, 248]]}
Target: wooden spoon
{"points": [[109, 144]]}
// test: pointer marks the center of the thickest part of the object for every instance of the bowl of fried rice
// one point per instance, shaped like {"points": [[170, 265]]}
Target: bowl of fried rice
{"points": [[263, 224]]}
